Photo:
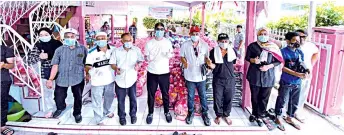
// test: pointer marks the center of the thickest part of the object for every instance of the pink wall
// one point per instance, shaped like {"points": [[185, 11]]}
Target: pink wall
{"points": [[250, 37], [335, 83]]}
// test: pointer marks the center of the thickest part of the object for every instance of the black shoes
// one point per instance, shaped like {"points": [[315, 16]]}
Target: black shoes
{"points": [[206, 119], [149, 118], [57, 113], [189, 118], [78, 118], [123, 122], [260, 122], [168, 117], [133, 119], [252, 118]]}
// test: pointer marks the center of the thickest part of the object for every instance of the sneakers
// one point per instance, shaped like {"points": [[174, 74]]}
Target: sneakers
{"points": [[252, 118], [206, 119], [133, 119], [168, 117], [123, 122], [189, 118], [57, 113], [149, 118]]}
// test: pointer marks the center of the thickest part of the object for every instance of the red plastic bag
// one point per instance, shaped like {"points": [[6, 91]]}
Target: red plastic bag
{"points": [[173, 99], [197, 106], [181, 109], [158, 99]]}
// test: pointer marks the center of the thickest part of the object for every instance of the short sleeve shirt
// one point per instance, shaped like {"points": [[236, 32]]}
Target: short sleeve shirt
{"points": [[71, 65], [193, 72], [158, 53], [291, 58], [101, 72], [5, 54], [309, 49], [126, 61], [238, 38]]}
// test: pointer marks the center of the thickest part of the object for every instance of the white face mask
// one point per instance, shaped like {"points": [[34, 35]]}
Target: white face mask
{"points": [[223, 45]]}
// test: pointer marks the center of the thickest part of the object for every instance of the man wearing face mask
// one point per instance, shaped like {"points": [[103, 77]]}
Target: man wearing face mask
{"points": [[195, 55], [263, 57], [158, 51], [68, 69], [290, 83], [123, 61], [44, 51], [102, 78], [224, 56]]}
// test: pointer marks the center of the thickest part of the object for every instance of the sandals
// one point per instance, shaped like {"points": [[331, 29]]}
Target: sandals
{"points": [[6, 131], [292, 124], [110, 115], [299, 119], [227, 120], [279, 124], [217, 120]]}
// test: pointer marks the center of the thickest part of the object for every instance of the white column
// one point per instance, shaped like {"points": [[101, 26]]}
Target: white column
{"points": [[311, 18]]}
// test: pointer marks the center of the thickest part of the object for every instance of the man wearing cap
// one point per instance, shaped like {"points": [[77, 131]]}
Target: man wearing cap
{"points": [[158, 51], [44, 51], [68, 69], [124, 61], [239, 42], [224, 57], [194, 55], [102, 78]]}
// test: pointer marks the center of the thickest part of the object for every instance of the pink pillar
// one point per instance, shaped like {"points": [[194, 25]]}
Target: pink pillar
{"points": [[82, 30], [190, 10], [203, 17], [126, 23], [250, 35], [112, 29]]}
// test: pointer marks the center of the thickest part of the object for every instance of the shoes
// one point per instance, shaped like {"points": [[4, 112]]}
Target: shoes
{"points": [[57, 113], [123, 122], [260, 122], [189, 118], [78, 118], [168, 117], [252, 118], [206, 119], [133, 119], [149, 118]]}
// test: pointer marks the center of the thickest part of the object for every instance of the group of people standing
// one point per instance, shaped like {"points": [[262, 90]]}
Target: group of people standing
{"points": [[69, 64]]}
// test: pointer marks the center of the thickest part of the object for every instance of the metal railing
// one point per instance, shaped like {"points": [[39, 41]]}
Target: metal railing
{"points": [[44, 15], [12, 11]]}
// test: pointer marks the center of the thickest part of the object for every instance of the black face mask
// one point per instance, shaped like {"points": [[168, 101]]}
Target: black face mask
{"points": [[295, 45]]}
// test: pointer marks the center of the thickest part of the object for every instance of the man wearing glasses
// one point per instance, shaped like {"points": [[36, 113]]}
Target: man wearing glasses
{"points": [[195, 54], [310, 52], [158, 51]]}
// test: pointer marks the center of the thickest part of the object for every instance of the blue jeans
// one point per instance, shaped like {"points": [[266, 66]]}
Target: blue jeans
{"points": [[191, 96], [288, 90]]}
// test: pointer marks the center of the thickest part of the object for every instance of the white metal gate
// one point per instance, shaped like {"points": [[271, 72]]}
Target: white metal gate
{"points": [[318, 89]]}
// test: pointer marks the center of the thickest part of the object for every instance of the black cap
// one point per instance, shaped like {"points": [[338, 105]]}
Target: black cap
{"points": [[223, 36], [45, 29]]}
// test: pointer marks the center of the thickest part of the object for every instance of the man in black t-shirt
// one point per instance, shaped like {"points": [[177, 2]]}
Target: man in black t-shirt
{"points": [[7, 62]]}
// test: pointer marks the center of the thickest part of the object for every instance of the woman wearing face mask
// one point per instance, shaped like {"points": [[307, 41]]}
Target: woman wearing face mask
{"points": [[44, 51], [158, 51], [263, 57]]}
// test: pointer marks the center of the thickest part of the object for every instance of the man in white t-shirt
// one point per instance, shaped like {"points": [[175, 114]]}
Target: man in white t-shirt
{"points": [[158, 51], [194, 55], [123, 61], [102, 78], [311, 53]]}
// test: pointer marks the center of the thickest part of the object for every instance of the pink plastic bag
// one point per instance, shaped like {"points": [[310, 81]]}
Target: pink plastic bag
{"points": [[158, 99], [181, 109]]}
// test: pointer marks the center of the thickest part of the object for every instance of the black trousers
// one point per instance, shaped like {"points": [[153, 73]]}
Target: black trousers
{"points": [[5, 89], [121, 94], [259, 98], [60, 94], [134, 38], [153, 81], [224, 90]]}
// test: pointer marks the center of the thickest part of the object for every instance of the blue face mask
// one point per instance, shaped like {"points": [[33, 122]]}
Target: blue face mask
{"points": [[128, 44], [159, 33], [263, 38], [101, 43], [69, 42], [194, 38], [45, 38]]}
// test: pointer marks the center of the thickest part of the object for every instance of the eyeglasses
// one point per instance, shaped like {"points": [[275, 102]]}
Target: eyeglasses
{"points": [[161, 29], [196, 52]]}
